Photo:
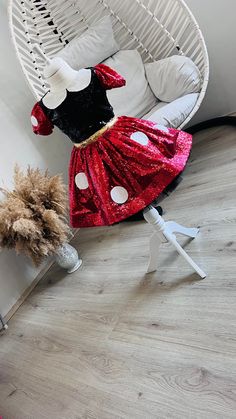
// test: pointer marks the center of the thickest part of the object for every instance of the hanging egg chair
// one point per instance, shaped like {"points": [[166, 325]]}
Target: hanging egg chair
{"points": [[156, 28]]}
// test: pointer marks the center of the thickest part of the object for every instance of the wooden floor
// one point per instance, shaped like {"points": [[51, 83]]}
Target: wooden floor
{"points": [[110, 342]]}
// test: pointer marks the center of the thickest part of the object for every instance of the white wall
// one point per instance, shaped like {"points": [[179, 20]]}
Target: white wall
{"points": [[19, 144], [216, 19]]}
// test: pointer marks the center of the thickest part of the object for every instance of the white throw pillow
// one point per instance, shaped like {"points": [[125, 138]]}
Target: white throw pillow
{"points": [[173, 77], [92, 47], [136, 98]]}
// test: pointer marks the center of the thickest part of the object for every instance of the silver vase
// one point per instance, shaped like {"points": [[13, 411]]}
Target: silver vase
{"points": [[67, 257]]}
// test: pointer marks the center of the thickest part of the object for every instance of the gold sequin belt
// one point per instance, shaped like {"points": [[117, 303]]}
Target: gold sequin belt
{"points": [[97, 134]]}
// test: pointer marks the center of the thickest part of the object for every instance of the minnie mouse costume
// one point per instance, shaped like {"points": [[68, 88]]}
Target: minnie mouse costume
{"points": [[118, 165]]}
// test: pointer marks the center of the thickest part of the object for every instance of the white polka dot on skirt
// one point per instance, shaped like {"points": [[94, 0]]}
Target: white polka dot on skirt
{"points": [[139, 137], [119, 195], [81, 181], [162, 128]]}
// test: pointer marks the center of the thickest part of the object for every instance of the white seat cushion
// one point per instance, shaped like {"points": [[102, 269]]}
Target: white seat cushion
{"points": [[136, 98], [173, 114], [92, 47]]}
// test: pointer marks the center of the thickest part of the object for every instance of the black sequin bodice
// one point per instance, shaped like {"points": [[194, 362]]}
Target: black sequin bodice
{"points": [[82, 113]]}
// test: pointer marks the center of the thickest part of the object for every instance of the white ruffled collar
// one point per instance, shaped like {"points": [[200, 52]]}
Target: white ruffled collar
{"points": [[57, 95]]}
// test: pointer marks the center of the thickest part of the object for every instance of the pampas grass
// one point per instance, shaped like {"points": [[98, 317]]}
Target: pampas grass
{"points": [[33, 215]]}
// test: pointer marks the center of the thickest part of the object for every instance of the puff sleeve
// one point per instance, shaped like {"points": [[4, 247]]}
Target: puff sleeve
{"points": [[41, 124], [108, 77]]}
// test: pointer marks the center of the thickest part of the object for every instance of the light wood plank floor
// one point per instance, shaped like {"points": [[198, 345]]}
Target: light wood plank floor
{"points": [[110, 342]]}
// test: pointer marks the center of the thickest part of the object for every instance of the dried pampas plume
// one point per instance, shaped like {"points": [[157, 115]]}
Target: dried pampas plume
{"points": [[33, 215]]}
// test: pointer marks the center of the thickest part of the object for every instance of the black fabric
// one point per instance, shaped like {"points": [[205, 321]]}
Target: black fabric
{"points": [[211, 123], [82, 113]]}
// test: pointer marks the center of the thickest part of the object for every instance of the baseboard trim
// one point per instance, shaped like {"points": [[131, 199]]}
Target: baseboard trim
{"points": [[27, 291]]}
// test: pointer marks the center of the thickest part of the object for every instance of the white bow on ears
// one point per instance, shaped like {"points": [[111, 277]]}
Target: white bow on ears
{"points": [[61, 79]]}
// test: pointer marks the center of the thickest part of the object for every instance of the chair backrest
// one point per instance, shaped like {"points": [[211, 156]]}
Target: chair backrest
{"points": [[157, 28]]}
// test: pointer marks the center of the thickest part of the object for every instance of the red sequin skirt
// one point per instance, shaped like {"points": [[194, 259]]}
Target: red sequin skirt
{"points": [[124, 170]]}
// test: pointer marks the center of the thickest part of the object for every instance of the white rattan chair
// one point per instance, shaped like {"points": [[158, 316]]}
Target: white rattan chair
{"points": [[157, 28]]}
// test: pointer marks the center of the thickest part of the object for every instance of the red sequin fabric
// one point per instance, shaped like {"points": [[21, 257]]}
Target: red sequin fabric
{"points": [[124, 170], [41, 124]]}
